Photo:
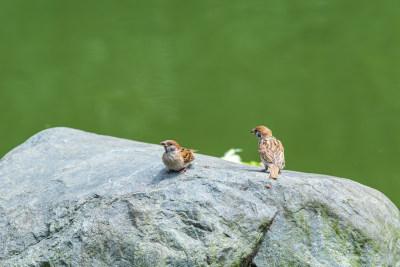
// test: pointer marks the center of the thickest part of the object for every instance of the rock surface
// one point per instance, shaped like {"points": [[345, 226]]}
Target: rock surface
{"points": [[71, 198]]}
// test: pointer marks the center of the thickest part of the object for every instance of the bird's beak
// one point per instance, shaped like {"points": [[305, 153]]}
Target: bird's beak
{"points": [[163, 143], [252, 131]]}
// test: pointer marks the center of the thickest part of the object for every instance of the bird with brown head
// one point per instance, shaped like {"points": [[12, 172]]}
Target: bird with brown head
{"points": [[271, 151], [175, 157]]}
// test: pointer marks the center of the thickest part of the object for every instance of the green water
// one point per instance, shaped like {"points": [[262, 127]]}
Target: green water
{"points": [[323, 75]]}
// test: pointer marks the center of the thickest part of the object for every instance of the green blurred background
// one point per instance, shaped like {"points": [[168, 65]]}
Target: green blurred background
{"points": [[323, 75]]}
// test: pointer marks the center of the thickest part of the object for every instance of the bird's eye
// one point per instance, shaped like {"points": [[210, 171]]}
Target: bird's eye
{"points": [[170, 144]]}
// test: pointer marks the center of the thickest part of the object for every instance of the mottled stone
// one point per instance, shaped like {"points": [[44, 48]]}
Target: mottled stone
{"points": [[71, 198]]}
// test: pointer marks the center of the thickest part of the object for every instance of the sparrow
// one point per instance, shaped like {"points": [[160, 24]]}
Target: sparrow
{"points": [[175, 157], [270, 150]]}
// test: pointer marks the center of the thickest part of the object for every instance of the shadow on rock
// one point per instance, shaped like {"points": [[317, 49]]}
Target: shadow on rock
{"points": [[163, 175]]}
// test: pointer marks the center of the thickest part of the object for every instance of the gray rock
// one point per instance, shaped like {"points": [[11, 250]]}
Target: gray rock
{"points": [[71, 198]]}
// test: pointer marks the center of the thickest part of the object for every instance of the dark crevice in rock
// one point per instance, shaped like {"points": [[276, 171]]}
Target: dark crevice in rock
{"points": [[134, 214], [44, 264], [199, 225], [248, 262]]}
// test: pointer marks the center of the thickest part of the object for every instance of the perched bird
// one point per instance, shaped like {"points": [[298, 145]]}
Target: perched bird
{"points": [[270, 150], [176, 158]]}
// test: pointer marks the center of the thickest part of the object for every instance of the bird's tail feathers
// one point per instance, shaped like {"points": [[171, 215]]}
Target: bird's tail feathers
{"points": [[274, 170]]}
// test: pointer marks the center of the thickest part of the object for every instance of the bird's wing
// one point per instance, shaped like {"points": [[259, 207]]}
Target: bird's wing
{"points": [[187, 155], [271, 150], [264, 150]]}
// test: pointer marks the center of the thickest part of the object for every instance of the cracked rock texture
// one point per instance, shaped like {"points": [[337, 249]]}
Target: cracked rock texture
{"points": [[71, 198]]}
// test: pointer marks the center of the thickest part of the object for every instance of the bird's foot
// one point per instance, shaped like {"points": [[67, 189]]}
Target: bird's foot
{"points": [[168, 172], [183, 170], [279, 171]]}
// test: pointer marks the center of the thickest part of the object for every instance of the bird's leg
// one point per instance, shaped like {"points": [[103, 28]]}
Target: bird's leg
{"points": [[183, 170], [279, 171], [168, 172]]}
